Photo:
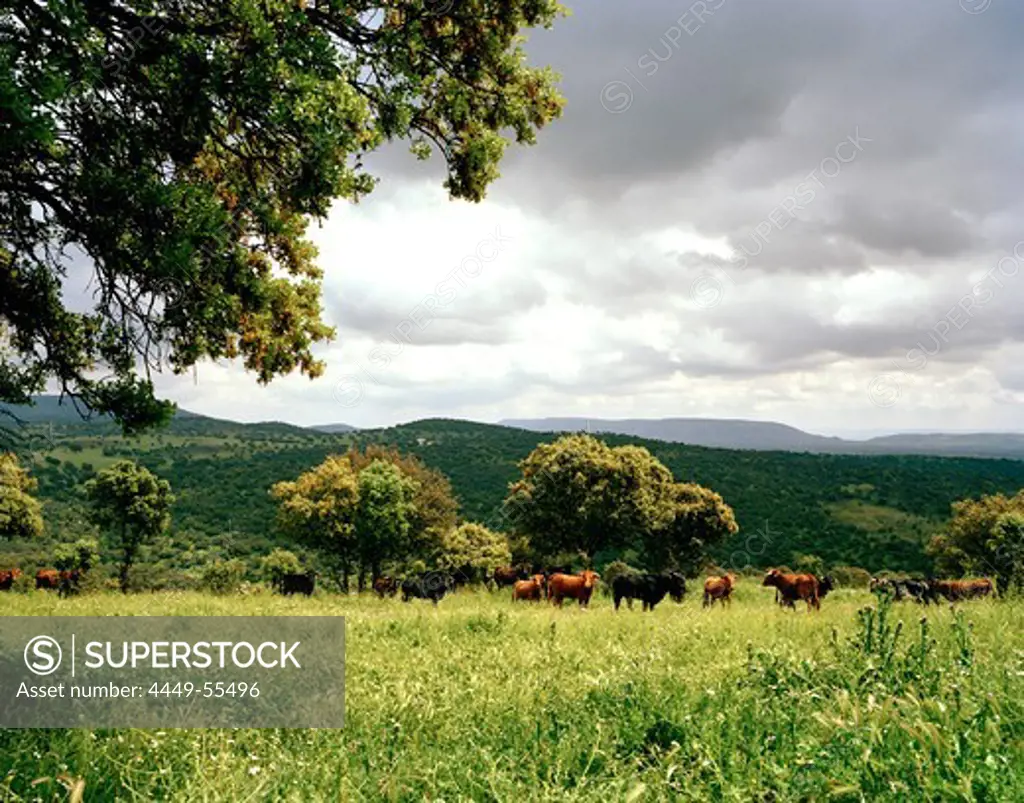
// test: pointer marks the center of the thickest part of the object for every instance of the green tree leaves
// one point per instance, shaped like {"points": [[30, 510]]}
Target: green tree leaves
{"points": [[383, 514], [21, 514], [474, 551], [133, 505], [82, 555], [183, 148]]}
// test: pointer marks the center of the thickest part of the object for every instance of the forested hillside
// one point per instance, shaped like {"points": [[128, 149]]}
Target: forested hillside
{"points": [[875, 512]]}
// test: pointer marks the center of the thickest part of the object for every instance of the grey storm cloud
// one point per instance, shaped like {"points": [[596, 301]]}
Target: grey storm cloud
{"points": [[733, 103], [436, 319]]}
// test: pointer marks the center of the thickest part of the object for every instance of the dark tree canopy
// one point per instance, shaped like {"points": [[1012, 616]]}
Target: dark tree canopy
{"points": [[179, 149]]}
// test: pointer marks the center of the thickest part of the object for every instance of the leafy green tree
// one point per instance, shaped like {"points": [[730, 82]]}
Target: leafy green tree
{"points": [[984, 536], [473, 551], [434, 506], [81, 555], [21, 514], [133, 504], [319, 509], [580, 493], [700, 520], [183, 148], [383, 515], [1006, 546], [277, 564]]}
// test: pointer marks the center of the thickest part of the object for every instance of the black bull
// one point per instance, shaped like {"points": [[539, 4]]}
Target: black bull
{"points": [[297, 583], [649, 588], [429, 585]]}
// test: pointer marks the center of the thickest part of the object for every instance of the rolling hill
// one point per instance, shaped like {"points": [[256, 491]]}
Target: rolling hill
{"points": [[874, 511], [769, 435]]}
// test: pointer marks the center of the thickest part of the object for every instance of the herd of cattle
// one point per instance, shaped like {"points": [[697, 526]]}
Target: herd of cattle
{"points": [[557, 584], [64, 582], [930, 590]]}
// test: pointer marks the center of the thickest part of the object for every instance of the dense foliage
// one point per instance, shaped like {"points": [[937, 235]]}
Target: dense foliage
{"points": [[874, 512], [473, 552], [181, 149], [985, 537], [20, 512], [578, 494], [361, 519]]}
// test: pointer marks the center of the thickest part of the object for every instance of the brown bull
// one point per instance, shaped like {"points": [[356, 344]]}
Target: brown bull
{"points": [[385, 586], [719, 588], [955, 590], [575, 586], [7, 578], [795, 586], [531, 589], [48, 579], [64, 582]]}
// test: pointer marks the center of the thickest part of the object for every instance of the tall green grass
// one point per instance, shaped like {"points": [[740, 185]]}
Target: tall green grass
{"points": [[480, 699]]}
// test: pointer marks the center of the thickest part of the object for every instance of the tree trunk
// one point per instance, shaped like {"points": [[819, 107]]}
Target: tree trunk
{"points": [[127, 560], [344, 577], [362, 579]]}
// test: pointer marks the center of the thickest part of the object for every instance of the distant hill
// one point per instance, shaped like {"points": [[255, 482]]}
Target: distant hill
{"points": [[712, 432], [333, 428], [50, 408], [772, 436], [978, 444], [47, 409]]}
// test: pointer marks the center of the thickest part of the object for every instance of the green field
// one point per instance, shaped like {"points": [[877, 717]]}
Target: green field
{"points": [[482, 700]]}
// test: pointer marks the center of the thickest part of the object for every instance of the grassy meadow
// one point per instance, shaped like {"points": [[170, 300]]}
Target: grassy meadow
{"points": [[479, 699]]}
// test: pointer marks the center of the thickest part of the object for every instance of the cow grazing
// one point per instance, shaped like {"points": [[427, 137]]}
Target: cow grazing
{"points": [[48, 579], [64, 583], [917, 590], [649, 588], [509, 575], [431, 585], [385, 586], [69, 581], [579, 587], [297, 583], [956, 590], [719, 588], [532, 589], [7, 578], [825, 585], [794, 586]]}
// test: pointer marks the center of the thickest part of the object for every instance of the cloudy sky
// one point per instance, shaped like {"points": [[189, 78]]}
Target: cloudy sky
{"points": [[793, 210]]}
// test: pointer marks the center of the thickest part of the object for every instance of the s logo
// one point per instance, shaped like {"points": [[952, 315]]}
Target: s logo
{"points": [[43, 655]]}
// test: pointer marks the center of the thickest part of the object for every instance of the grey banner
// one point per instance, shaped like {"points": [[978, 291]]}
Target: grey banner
{"points": [[172, 671]]}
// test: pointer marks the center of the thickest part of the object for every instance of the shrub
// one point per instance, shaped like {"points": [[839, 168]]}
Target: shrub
{"points": [[616, 568], [851, 576], [277, 564], [224, 576], [81, 555]]}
